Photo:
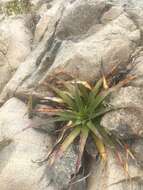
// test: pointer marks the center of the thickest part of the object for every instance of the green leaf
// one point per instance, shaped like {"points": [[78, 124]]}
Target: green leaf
{"points": [[98, 100], [67, 115], [83, 138], [106, 137], [100, 147], [32, 101], [78, 100], [69, 139], [77, 122], [94, 92], [97, 87], [59, 119], [64, 95], [84, 92], [104, 134], [92, 127], [99, 113]]}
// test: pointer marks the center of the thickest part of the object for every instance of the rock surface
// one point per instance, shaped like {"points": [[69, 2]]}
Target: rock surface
{"points": [[112, 176], [15, 40], [17, 171], [63, 38], [137, 148], [126, 122], [63, 169]]}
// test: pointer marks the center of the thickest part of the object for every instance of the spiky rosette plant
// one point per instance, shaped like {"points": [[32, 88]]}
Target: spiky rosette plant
{"points": [[80, 106], [81, 112]]}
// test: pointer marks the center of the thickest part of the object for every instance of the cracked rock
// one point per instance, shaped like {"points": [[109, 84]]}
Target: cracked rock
{"points": [[125, 122]]}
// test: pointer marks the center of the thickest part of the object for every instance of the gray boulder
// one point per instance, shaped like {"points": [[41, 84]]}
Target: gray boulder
{"points": [[79, 17], [51, 55], [38, 61], [17, 169], [137, 149], [15, 40], [64, 169], [84, 57], [112, 176], [127, 121], [137, 68]]}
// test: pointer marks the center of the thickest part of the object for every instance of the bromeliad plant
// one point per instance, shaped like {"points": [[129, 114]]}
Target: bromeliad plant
{"points": [[79, 107]]}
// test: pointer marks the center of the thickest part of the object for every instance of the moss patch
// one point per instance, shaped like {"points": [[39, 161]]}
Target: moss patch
{"points": [[16, 7]]}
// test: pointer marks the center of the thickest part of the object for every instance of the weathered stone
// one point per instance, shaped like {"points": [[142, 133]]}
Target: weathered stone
{"points": [[134, 9], [125, 122], [79, 184], [64, 168], [41, 27], [46, 20], [112, 176], [43, 124], [18, 172], [19, 40], [15, 42], [91, 148], [38, 61], [87, 53], [128, 97], [79, 17], [70, 37], [112, 14], [137, 69], [107, 45], [128, 3], [36, 2], [137, 149]]}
